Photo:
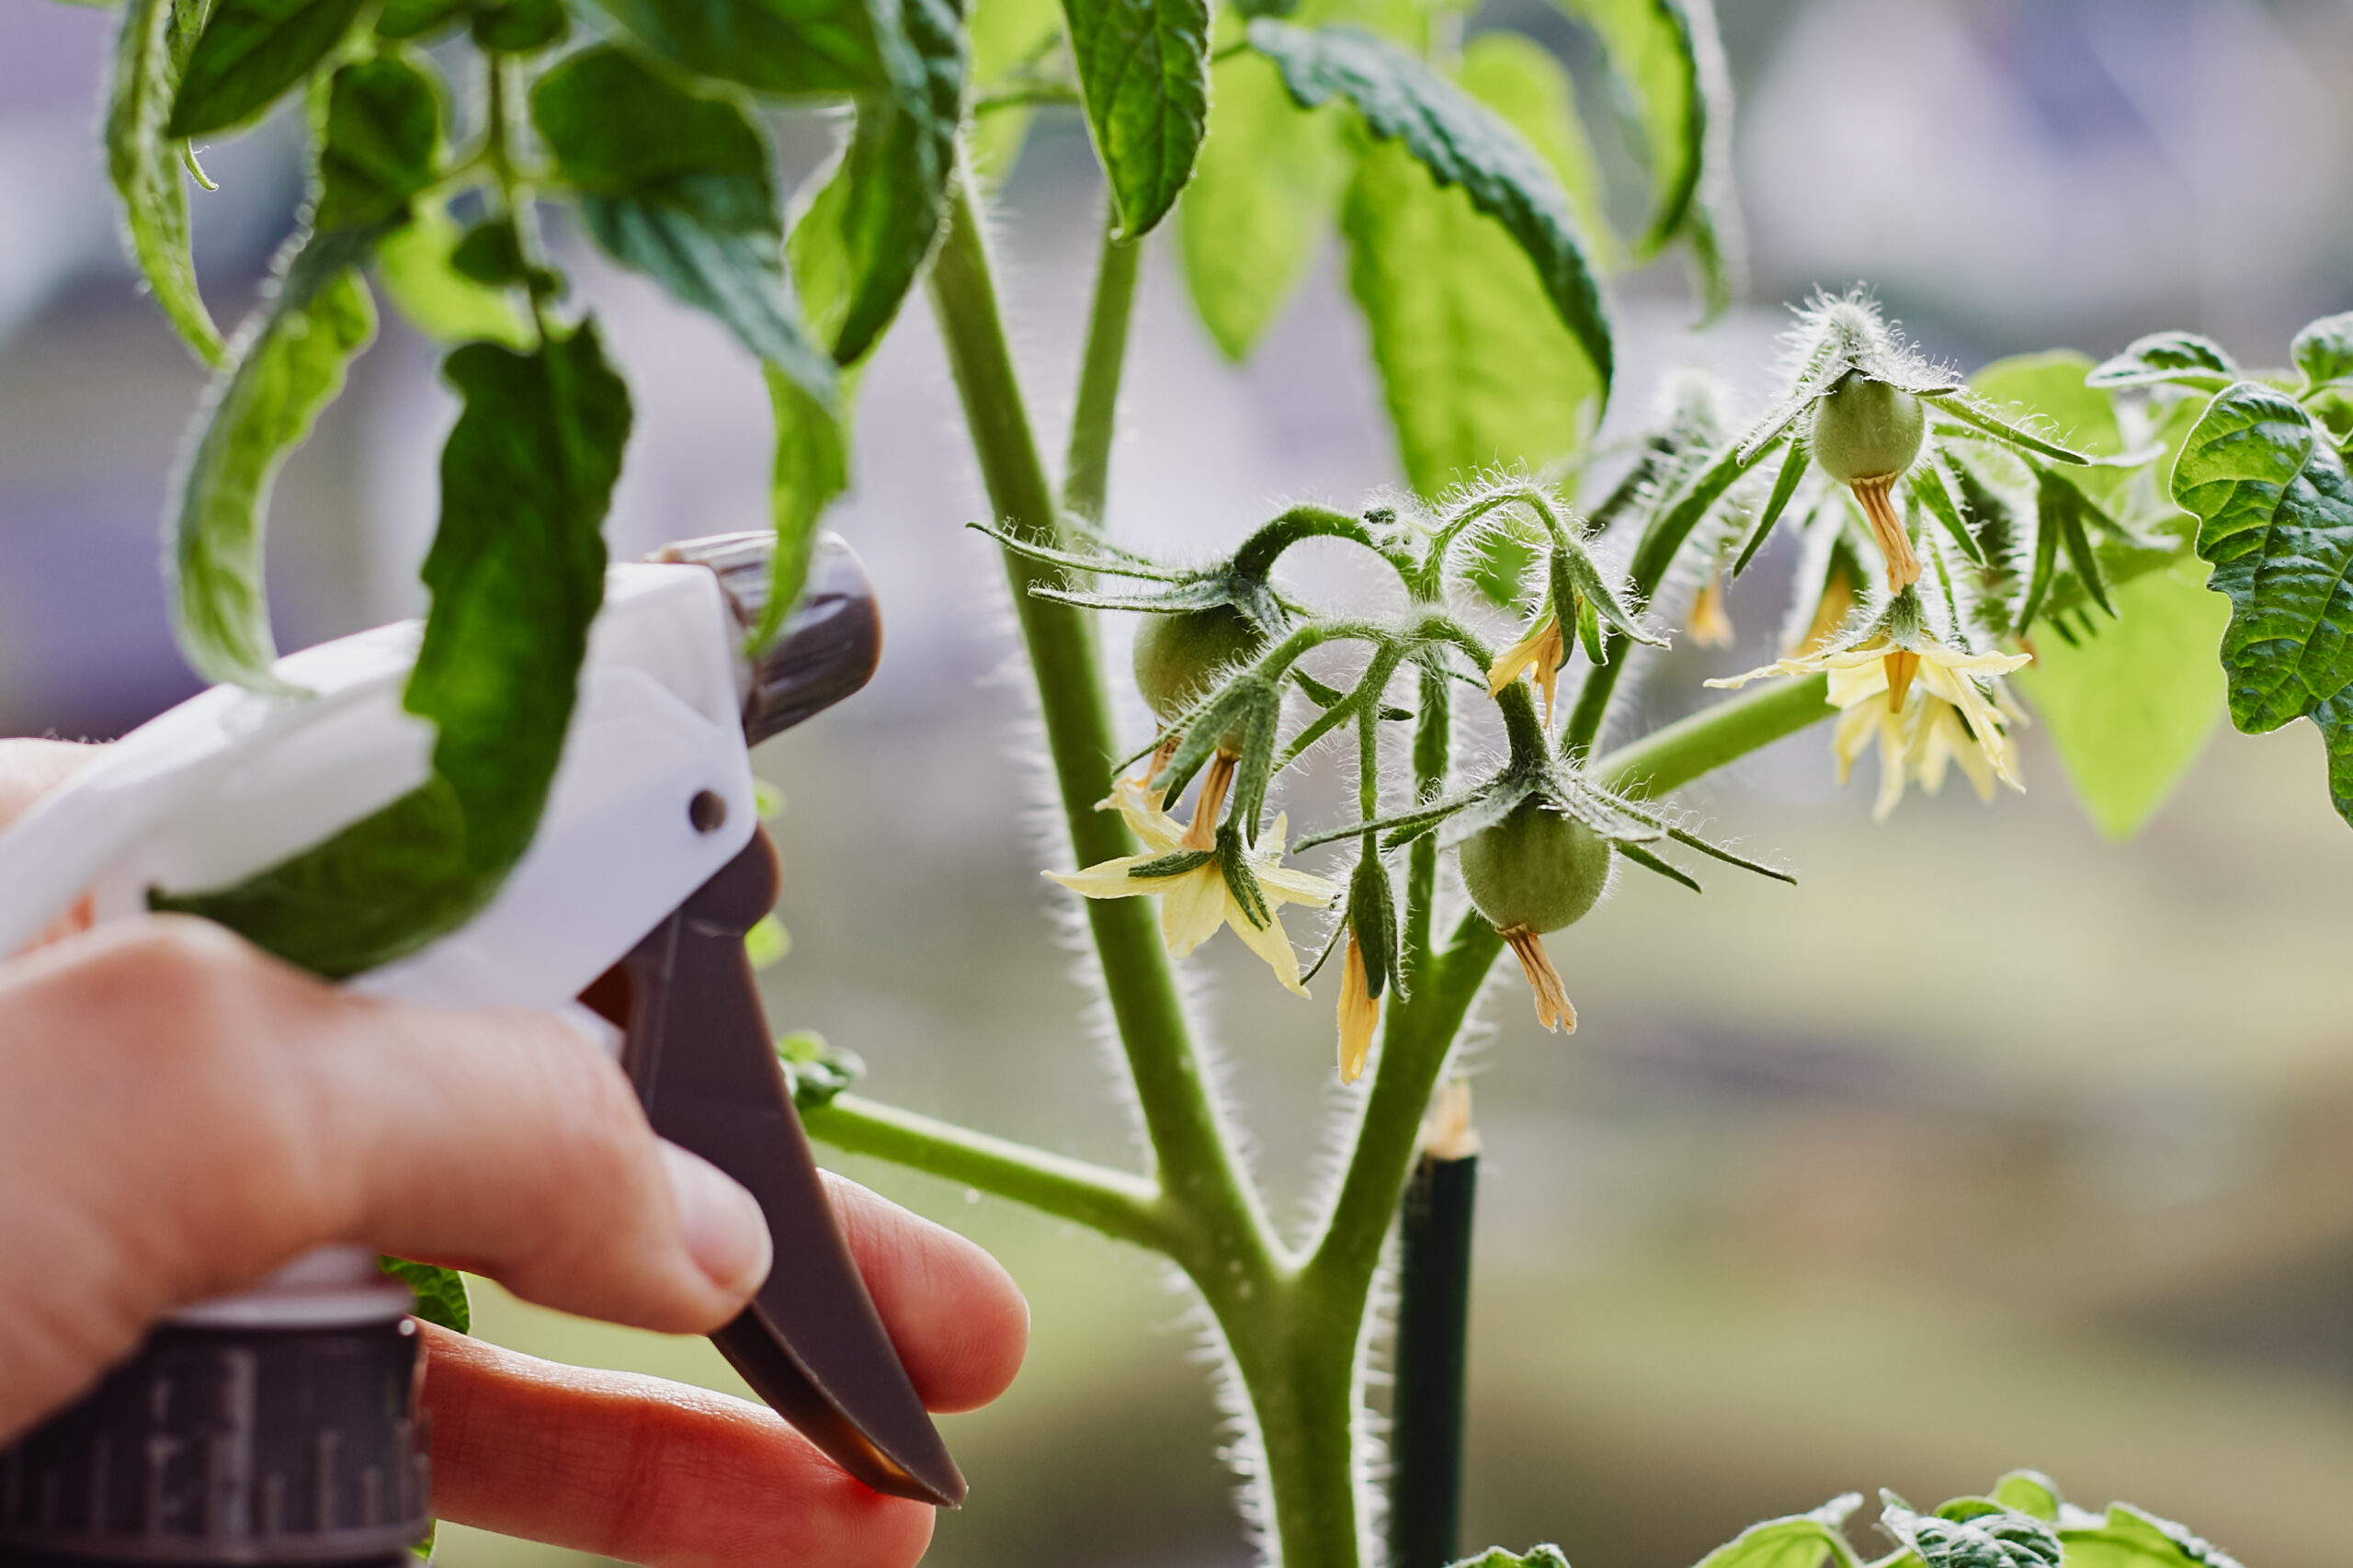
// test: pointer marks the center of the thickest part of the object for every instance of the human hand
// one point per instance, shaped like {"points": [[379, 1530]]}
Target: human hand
{"points": [[179, 1114]]}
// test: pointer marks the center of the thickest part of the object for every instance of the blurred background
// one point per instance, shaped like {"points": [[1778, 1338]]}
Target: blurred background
{"points": [[1992, 1144]]}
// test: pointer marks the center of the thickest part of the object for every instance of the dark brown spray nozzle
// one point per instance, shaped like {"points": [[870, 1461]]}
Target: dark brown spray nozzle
{"points": [[700, 1056], [829, 644]]}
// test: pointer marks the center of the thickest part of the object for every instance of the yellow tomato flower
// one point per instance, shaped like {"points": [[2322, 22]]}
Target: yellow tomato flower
{"points": [[1195, 902], [1920, 700], [1543, 653]]}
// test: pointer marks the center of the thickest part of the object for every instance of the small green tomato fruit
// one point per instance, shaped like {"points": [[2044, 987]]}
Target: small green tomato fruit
{"points": [[1866, 429], [1177, 655], [1535, 870]]}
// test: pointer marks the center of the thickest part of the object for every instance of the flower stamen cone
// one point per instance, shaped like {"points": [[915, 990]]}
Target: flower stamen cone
{"points": [[1202, 834], [1899, 667], [1543, 653], [1359, 1014], [1875, 494], [1552, 1009]]}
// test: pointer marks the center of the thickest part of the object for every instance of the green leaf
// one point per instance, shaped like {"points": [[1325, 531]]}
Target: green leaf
{"points": [[1802, 1541], [1476, 368], [681, 188], [2324, 350], [147, 175], [791, 47], [1546, 1556], [1667, 57], [2131, 709], [1998, 1539], [2180, 359], [417, 268], [2130, 1537], [1520, 80], [2275, 515], [516, 572], [1651, 54], [810, 468], [2030, 1491], [1262, 198], [286, 367], [380, 142], [414, 18], [1006, 35], [1461, 142], [519, 26], [250, 52], [1143, 72], [818, 1071], [859, 247], [441, 1292]]}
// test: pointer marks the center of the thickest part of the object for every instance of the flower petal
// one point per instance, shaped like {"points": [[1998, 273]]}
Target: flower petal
{"points": [[1191, 908], [1268, 942], [1109, 879]]}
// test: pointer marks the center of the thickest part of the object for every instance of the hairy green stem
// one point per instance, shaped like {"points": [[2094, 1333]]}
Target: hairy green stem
{"points": [[1197, 1170], [1088, 478], [1669, 758], [1126, 1207]]}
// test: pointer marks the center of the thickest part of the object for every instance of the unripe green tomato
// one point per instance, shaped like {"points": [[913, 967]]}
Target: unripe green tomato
{"points": [[1866, 430], [1176, 656], [1536, 868]]}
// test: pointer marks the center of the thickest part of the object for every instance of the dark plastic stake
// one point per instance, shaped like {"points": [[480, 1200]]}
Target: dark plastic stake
{"points": [[1433, 1323]]}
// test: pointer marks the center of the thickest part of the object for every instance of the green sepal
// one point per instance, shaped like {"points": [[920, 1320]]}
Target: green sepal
{"points": [[2052, 499], [1649, 862], [1970, 411], [2076, 538], [1175, 864], [1240, 880], [1372, 920], [441, 1292], [1576, 580], [1785, 486], [817, 1071], [1927, 482], [1589, 634], [2176, 358]]}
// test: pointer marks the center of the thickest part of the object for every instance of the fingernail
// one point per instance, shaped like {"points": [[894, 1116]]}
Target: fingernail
{"points": [[725, 1232]]}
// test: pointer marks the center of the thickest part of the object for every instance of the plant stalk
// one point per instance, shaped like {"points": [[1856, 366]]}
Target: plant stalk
{"points": [[1088, 478], [1190, 1141], [1126, 1207]]}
